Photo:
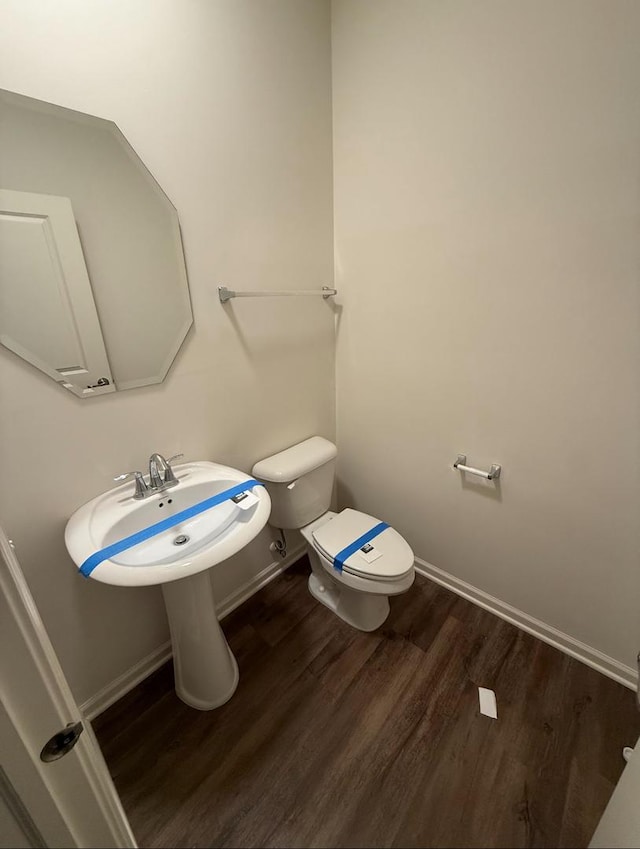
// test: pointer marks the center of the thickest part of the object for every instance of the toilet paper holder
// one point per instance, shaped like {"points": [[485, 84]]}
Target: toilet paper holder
{"points": [[492, 475]]}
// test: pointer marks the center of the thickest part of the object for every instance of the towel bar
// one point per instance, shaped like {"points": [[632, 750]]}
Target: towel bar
{"points": [[227, 294]]}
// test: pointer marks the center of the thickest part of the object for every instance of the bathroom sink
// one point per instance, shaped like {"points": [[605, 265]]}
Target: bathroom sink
{"points": [[197, 542], [172, 538]]}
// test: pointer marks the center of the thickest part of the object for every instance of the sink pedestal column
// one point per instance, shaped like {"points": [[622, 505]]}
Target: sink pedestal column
{"points": [[206, 671]]}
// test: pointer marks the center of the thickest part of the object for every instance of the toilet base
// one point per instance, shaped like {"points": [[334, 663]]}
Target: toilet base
{"points": [[361, 610]]}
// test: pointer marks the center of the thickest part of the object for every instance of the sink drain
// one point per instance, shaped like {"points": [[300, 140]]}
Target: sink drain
{"points": [[181, 539]]}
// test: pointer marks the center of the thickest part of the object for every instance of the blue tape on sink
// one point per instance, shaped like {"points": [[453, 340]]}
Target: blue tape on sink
{"points": [[341, 556], [153, 530]]}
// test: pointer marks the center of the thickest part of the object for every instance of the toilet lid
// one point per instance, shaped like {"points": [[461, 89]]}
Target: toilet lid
{"points": [[388, 555]]}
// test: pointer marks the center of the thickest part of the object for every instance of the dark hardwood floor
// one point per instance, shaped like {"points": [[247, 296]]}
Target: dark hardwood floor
{"points": [[336, 738]]}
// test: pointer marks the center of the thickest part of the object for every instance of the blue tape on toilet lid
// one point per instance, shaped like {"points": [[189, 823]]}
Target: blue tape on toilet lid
{"points": [[159, 527], [357, 544], [340, 539]]}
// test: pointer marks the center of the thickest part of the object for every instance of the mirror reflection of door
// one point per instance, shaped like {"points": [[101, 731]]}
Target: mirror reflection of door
{"points": [[47, 312]]}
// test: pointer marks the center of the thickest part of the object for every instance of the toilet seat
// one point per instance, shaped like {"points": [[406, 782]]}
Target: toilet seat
{"points": [[389, 559]]}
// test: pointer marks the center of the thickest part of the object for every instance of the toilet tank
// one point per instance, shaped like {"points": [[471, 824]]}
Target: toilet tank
{"points": [[299, 481]]}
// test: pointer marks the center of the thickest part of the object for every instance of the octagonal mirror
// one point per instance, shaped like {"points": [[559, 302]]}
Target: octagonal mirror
{"points": [[93, 282]]}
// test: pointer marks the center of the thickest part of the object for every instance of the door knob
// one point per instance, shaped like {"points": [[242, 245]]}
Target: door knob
{"points": [[62, 742]]}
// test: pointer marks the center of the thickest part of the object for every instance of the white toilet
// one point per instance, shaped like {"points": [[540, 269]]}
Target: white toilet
{"points": [[357, 561]]}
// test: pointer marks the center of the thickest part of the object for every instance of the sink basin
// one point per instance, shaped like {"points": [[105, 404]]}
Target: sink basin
{"points": [[184, 549], [173, 538]]}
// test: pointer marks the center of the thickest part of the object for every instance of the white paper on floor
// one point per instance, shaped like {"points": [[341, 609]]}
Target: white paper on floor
{"points": [[488, 704]]}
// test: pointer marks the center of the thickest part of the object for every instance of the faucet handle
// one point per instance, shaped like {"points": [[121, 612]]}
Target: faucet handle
{"points": [[169, 476], [126, 476], [142, 490]]}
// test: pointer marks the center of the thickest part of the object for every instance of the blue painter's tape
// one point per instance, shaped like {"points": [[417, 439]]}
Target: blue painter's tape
{"points": [[341, 556], [153, 530]]}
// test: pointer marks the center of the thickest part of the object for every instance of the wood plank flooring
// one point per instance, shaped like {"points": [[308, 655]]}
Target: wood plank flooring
{"points": [[336, 738]]}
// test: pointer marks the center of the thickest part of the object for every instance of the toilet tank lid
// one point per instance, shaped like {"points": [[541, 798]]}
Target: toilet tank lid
{"points": [[296, 461]]}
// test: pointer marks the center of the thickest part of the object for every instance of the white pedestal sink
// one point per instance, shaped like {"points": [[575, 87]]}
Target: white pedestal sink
{"points": [[173, 538], [206, 671]]}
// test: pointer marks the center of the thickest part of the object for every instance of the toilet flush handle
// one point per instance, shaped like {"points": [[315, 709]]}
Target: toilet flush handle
{"points": [[293, 483]]}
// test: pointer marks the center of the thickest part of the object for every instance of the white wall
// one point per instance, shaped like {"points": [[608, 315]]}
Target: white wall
{"points": [[487, 243], [228, 104]]}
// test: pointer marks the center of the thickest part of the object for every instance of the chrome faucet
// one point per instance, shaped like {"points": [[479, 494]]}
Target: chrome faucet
{"points": [[161, 476]]}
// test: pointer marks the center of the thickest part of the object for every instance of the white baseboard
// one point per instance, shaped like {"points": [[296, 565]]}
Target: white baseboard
{"points": [[235, 599], [581, 651], [125, 682], [117, 688]]}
